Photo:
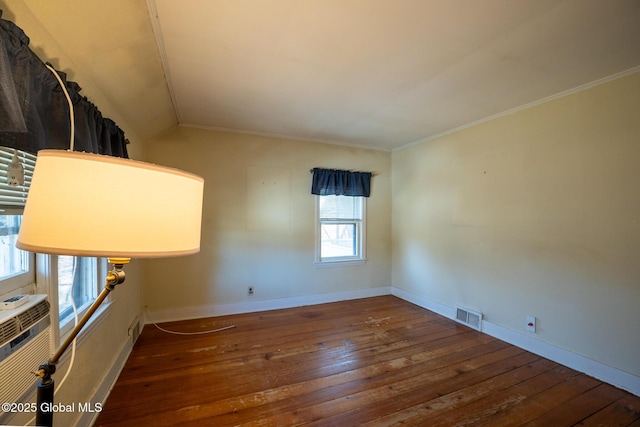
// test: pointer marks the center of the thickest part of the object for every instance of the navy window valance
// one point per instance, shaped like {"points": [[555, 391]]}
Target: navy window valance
{"points": [[34, 113], [341, 183]]}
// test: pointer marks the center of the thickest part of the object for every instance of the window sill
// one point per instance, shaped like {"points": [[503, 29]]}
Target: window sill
{"points": [[342, 263]]}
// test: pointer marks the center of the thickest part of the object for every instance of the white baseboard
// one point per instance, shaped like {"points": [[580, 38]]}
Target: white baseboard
{"points": [[608, 374], [101, 393], [185, 313]]}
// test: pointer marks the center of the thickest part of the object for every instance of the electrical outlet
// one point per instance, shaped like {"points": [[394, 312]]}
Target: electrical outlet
{"points": [[531, 324], [250, 290]]}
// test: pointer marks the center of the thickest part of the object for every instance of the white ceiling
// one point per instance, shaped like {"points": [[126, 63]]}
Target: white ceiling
{"points": [[374, 73], [382, 73]]}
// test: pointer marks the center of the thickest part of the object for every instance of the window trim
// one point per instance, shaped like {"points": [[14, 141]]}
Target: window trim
{"points": [[101, 272], [19, 280], [47, 283], [11, 284], [361, 239]]}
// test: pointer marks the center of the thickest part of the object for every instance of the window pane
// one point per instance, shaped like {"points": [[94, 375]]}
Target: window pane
{"points": [[13, 261], [85, 289], [340, 207], [338, 240]]}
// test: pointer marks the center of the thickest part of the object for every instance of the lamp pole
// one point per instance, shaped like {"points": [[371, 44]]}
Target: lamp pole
{"points": [[46, 385]]}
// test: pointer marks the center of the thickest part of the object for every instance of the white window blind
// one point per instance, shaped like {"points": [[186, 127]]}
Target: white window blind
{"points": [[13, 198]]}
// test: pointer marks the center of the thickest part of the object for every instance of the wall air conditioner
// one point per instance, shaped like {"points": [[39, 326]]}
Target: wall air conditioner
{"points": [[25, 343]]}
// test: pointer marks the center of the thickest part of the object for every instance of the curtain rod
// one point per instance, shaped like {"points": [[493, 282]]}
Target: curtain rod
{"points": [[372, 173]]}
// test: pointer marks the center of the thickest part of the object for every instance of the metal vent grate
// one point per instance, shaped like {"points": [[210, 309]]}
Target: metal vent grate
{"points": [[17, 378], [134, 330], [26, 335], [470, 318], [9, 329], [31, 316]]}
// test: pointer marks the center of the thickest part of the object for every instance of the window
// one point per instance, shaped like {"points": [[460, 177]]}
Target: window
{"points": [[13, 261], [17, 267], [340, 230], [55, 278], [84, 272]]}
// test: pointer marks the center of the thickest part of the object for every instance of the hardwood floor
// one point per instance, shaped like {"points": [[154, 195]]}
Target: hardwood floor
{"points": [[369, 362]]}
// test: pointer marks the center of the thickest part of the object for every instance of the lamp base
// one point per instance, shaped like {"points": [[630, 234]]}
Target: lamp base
{"points": [[46, 387]]}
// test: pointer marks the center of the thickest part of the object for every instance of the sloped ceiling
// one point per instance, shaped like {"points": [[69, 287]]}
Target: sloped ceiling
{"points": [[373, 73]]}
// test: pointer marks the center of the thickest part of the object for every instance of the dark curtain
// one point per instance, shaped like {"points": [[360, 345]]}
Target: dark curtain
{"points": [[34, 113], [340, 183]]}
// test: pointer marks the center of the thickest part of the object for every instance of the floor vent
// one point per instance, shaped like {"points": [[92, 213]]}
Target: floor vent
{"points": [[469, 318], [134, 331]]}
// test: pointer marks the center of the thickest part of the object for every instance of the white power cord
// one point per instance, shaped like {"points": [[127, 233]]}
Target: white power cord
{"points": [[66, 94], [72, 123], [75, 317], [193, 333], [75, 264]]}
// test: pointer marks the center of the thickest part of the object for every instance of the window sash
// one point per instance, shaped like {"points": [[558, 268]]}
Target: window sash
{"points": [[47, 283], [85, 290], [339, 239], [340, 235], [14, 261], [20, 279], [340, 208]]}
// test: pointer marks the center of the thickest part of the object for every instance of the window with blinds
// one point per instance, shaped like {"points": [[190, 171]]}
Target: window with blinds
{"points": [[13, 198], [16, 266]]}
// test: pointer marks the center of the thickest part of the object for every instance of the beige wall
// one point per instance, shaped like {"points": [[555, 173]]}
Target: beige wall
{"points": [[534, 213], [258, 224]]}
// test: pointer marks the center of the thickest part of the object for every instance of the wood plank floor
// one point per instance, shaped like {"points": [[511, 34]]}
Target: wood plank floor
{"points": [[370, 362]]}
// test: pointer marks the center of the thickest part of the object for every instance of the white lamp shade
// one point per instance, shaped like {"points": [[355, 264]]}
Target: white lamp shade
{"points": [[94, 205]]}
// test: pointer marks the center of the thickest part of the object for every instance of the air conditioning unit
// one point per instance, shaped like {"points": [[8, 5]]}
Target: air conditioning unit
{"points": [[25, 343]]}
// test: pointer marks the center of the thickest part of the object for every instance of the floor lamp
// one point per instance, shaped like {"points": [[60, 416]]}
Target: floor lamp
{"points": [[84, 204]]}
